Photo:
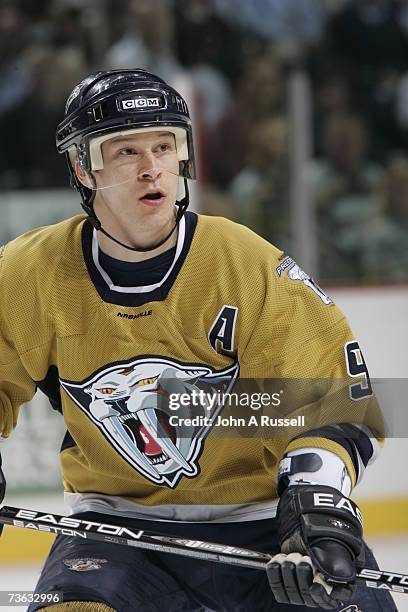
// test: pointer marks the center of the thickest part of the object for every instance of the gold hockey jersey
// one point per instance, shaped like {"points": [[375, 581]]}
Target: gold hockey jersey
{"points": [[122, 364]]}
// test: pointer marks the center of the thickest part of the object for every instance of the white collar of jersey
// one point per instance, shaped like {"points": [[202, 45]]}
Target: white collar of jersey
{"points": [[143, 288]]}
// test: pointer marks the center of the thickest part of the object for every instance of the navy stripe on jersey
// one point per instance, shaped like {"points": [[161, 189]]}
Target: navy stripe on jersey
{"points": [[67, 442], [131, 273], [356, 442], [361, 440], [50, 386], [136, 296]]}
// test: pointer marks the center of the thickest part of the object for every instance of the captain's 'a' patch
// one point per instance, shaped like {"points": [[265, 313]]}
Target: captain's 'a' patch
{"points": [[295, 273], [222, 332]]}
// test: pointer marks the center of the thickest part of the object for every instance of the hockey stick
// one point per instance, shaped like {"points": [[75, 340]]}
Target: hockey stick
{"points": [[207, 551]]}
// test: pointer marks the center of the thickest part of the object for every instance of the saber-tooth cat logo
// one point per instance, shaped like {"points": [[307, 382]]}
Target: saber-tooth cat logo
{"points": [[84, 565], [129, 403]]}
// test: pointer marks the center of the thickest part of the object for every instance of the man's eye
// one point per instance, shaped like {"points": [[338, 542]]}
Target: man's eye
{"points": [[127, 151], [165, 147]]}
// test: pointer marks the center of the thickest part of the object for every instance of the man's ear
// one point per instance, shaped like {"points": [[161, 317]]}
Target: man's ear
{"points": [[81, 175]]}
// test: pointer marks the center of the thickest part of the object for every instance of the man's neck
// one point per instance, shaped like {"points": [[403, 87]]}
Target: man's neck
{"points": [[112, 249]]}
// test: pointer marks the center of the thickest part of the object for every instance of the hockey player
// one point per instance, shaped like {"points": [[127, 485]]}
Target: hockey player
{"points": [[117, 313]]}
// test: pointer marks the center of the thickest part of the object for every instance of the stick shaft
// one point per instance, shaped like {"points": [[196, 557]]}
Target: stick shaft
{"points": [[206, 551]]}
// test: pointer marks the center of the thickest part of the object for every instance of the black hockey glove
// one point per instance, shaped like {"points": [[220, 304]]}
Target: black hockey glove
{"points": [[2, 489], [320, 534]]}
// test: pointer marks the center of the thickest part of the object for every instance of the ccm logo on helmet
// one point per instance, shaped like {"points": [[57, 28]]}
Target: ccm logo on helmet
{"points": [[328, 500], [141, 103]]}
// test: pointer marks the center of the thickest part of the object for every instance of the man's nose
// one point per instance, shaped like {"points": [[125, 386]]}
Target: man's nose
{"points": [[150, 175], [149, 169]]}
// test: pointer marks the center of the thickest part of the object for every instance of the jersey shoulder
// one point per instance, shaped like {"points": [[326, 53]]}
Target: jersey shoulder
{"points": [[39, 250], [275, 274], [40, 276], [228, 235]]}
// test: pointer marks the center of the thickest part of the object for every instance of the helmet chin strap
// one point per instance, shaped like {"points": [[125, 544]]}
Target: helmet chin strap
{"points": [[87, 205]]}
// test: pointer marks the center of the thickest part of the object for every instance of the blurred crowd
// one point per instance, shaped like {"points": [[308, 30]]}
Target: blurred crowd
{"points": [[239, 57]]}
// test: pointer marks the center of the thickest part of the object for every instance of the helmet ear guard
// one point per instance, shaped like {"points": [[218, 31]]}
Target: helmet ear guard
{"points": [[87, 193]]}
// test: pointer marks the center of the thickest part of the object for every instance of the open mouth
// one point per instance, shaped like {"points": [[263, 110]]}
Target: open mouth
{"points": [[153, 197], [145, 442]]}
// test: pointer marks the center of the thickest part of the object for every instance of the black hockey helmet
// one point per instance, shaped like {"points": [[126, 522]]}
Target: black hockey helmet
{"points": [[113, 101], [109, 102]]}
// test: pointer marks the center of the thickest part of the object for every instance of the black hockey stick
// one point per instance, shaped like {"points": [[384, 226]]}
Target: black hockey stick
{"points": [[208, 551]]}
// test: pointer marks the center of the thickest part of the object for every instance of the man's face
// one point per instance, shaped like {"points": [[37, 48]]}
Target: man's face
{"points": [[139, 180]]}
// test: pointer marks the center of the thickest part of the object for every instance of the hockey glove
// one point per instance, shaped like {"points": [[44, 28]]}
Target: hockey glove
{"points": [[320, 534]]}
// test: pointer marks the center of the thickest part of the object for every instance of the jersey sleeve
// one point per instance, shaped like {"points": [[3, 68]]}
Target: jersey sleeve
{"points": [[302, 346], [16, 386]]}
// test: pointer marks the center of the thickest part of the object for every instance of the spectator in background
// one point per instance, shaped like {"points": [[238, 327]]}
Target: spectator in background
{"points": [[13, 75], [369, 34], [202, 36], [368, 40], [332, 96], [260, 95], [29, 159], [261, 190], [344, 184], [386, 238], [400, 109], [72, 29], [277, 19], [195, 21], [148, 40]]}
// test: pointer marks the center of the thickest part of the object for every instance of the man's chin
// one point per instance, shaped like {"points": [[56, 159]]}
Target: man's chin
{"points": [[157, 221]]}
